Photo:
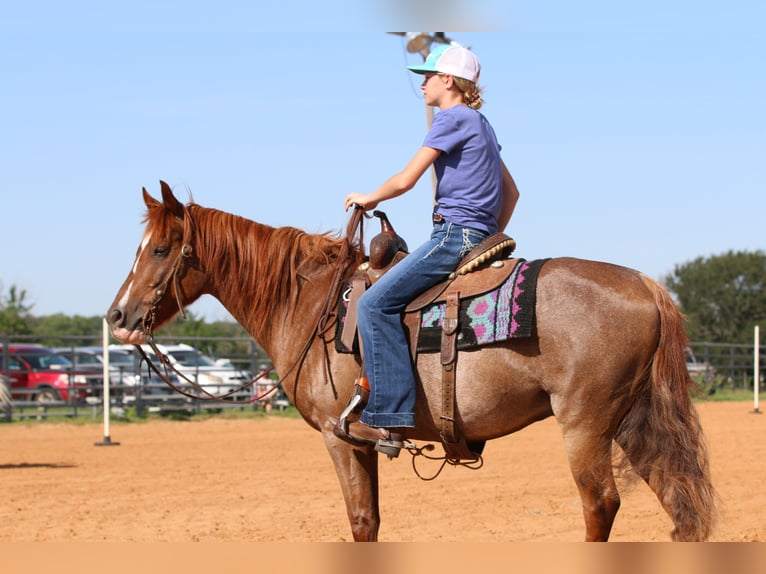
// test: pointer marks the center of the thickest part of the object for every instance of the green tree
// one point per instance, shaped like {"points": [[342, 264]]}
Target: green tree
{"points": [[60, 330], [221, 338], [723, 296], [15, 313]]}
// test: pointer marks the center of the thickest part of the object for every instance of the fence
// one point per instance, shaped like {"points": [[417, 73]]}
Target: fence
{"points": [[41, 387], [734, 364]]}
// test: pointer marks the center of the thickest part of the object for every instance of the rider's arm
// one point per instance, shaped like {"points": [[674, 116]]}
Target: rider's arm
{"points": [[397, 184]]}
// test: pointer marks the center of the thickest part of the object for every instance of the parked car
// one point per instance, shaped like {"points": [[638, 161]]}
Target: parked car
{"points": [[125, 372], [40, 374], [697, 368], [216, 377]]}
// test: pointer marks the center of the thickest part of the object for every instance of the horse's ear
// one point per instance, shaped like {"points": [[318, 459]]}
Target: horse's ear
{"points": [[149, 200], [171, 203]]}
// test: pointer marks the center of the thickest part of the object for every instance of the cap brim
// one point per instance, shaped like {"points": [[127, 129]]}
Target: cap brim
{"points": [[422, 69]]}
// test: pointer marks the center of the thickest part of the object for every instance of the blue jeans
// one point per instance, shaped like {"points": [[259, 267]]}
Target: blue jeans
{"points": [[387, 358]]}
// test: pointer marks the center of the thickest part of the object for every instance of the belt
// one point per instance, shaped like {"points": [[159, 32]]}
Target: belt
{"points": [[438, 218]]}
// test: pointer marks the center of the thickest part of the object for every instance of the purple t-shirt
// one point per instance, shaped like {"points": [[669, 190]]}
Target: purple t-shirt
{"points": [[469, 188]]}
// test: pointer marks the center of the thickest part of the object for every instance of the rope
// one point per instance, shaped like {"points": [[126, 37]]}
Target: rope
{"points": [[416, 452]]}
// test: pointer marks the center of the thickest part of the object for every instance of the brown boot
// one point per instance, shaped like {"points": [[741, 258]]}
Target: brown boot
{"points": [[388, 442]]}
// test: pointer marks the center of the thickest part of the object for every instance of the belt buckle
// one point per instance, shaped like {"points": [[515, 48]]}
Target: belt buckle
{"points": [[438, 218]]}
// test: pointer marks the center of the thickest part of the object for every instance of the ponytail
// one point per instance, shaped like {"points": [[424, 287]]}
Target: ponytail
{"points": [[471, 93]]}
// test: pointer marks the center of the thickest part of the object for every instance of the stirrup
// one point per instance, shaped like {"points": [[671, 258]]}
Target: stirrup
{"points": [[390, 446]]}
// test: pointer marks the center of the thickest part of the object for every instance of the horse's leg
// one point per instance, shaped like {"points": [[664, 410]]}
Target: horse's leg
{"points": [[590, 459], [357, 470]]}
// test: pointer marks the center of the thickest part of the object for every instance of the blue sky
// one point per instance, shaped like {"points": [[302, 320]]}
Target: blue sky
{"points": [[636, 132]]}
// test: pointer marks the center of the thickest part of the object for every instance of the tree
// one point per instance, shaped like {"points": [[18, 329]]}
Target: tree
{"points": [[15, 313], [221, 338], [60, 330], [723, 295]]}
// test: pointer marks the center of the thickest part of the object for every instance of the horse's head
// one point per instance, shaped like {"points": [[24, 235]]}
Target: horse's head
{"points": [[165, 277]]}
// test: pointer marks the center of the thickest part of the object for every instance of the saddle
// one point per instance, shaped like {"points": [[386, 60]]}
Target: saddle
{"points": [[483, 269]]}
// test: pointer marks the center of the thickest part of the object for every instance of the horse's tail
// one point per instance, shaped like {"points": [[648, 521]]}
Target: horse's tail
{"points": [[662, 437]]}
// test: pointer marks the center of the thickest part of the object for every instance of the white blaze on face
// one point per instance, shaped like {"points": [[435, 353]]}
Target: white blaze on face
{"points": [[126, 296]]}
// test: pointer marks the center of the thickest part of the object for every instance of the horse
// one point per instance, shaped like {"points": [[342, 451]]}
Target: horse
{"points": [[606, 358]]}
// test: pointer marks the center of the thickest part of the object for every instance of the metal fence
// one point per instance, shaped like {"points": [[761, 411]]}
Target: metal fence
{"points": [[145, 393], [734, 364]]}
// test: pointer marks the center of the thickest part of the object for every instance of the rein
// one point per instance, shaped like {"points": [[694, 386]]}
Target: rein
{"points": [[322, 325]]}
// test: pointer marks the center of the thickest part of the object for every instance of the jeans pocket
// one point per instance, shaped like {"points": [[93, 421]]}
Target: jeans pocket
{"points": [[471, 238]]}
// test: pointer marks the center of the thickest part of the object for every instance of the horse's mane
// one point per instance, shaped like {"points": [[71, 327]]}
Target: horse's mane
{"points": [[265, 267]]}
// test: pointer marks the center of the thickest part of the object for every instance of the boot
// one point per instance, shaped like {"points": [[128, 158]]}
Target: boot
{"points": [[358, 399], [356, 403]]}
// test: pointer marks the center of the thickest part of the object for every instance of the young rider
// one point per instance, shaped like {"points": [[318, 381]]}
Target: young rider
{"points": [[475, 197]]}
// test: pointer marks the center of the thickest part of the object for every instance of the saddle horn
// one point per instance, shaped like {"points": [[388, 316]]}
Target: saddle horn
{"points": [[385, 245]]}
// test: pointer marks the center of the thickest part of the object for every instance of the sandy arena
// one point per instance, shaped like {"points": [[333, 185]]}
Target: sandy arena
{"points": [[271, 480]]}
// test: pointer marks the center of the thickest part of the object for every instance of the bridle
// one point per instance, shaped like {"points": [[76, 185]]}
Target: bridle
{"points": [[172, 275], [323, 324]]}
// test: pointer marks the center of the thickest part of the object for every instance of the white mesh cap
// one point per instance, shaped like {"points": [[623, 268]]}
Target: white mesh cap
{"points": [[454, 60]]}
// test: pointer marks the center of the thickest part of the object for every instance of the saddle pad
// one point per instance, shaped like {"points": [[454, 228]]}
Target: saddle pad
{"points": [[506, 312]]}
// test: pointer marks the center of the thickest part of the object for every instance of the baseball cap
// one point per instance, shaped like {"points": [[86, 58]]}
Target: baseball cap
{"points": [[449, 59]]}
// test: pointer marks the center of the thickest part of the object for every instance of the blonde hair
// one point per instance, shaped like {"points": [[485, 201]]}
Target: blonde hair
{"points": [[470, 91]]}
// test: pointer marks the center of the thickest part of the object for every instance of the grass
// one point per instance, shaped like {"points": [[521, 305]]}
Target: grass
{"points": [[722, 394], [87, 415], [710, 391], [720, 388]]}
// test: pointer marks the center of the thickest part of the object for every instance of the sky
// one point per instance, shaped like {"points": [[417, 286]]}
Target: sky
{"points": [[635, 131]]}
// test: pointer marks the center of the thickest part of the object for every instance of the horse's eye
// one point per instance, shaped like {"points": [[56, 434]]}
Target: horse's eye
{"points": [[161, 251]]}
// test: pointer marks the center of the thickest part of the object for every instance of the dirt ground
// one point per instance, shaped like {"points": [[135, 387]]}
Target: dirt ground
{"points": [[271, 480]]}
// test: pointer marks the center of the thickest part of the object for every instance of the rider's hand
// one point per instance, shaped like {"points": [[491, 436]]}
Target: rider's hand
{"points": [[360, 200]]}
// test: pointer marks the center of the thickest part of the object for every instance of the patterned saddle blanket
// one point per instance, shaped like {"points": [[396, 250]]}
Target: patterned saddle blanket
{"points": [[506, 311]]}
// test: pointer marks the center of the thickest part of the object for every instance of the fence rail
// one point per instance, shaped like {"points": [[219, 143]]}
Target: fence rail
{"points": [[733, 363], [144, 391]]}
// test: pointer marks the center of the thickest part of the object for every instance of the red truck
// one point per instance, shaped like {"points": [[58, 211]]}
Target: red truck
{"points": [[38, 373]]}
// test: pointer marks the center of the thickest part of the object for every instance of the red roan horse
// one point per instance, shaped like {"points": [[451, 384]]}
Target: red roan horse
{"points": [[606, 358]]}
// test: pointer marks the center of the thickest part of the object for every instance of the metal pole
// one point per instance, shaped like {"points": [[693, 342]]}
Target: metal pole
{"points": [[429, 120], [756, 367], [427, 40], [107, 402]]}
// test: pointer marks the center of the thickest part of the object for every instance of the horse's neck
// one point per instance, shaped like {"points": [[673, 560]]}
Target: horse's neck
{"points": [[268, 286]]}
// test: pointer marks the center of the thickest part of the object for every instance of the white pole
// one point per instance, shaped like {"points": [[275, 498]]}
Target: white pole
{"points": [[107, 402], [756, 367]]}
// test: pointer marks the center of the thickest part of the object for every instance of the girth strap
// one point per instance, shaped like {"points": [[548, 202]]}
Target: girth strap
{"points": [[455, 446]]}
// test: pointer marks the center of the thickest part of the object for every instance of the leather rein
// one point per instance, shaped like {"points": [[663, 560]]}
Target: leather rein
{"points": [[323, 324]]}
